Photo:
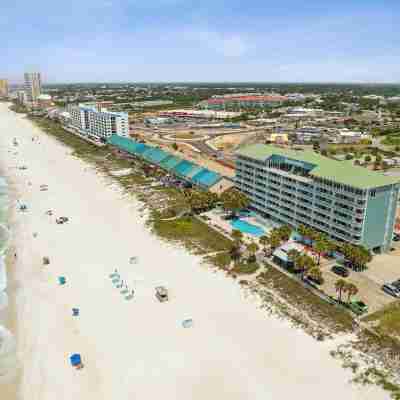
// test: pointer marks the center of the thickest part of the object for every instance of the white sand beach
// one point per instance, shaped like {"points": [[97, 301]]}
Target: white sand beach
{"points": [[137, 349]]}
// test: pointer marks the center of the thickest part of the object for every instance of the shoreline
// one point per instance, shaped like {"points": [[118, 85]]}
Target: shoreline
{"points": [[152, 344], [9, 390]]}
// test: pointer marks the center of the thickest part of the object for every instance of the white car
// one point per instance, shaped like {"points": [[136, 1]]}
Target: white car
{"points": [[390, 289]]}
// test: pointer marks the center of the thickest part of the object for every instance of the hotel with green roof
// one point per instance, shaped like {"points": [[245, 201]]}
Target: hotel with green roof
{"points": [[347, 202]]}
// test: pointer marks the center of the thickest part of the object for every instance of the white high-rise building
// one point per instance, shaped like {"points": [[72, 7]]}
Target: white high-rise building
{"points": [[98, 124], [33, 85]]}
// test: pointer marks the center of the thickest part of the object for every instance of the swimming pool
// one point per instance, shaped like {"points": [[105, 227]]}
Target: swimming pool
{"points": [[246, 227]]}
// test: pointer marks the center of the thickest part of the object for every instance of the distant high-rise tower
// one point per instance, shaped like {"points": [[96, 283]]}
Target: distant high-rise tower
{"points": [[3, 88], [33, 85]]}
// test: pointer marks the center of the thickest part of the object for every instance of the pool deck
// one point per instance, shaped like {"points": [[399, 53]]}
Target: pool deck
{"points": [[220, 224]]}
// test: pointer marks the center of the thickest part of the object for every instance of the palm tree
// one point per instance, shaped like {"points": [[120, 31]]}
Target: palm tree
{"points": [[235, 253], [306, 232], [234, 200], [292, 256], [237, 235], [351, 290], [302, 231], [285, 231], [340, 287], [274, 241], [315, 274], [264, 241], [320, 246], [309, 264], [252, 248]]}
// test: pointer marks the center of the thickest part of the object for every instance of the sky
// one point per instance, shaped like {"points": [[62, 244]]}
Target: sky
{"points": [[208, 40]]}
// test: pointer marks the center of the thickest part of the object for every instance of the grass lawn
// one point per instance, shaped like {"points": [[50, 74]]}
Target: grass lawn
{"points": [[387, 320], [294, 293], [193, 233], [220, 260], [245, 268]]}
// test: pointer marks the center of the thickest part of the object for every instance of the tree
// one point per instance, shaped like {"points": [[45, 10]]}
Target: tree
{"points": [[340, 287], [235, 252], [274, 241], [285, 232], [303, 263], [252, 248], [306, 232], [264, 241], [315, 274], [367, 158], [320, 246], [349, 157], [234, 200], [292, 255], [174, 146], [351, 290], [237, 235], [358, 256], [200, 201]]}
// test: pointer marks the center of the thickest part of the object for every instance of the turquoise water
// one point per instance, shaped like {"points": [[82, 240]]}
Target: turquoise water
{"points": [[4, 235], [246, 227]]}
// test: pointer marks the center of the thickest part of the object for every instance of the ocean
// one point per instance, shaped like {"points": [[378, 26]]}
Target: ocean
{"points": [[8, 358], [4, 241]]}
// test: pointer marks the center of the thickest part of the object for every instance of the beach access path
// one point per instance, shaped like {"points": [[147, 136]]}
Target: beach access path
{"points": [[137, 348]]}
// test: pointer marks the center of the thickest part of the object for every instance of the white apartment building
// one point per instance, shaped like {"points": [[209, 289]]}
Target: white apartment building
{"points": [[33, 85], [98, 124]]}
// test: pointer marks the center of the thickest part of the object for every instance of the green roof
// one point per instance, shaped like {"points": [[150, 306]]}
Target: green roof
{"points": [[338, 171]]}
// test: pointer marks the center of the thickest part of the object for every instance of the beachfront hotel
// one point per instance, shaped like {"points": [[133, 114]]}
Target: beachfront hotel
{"points": [[98, 123], [348, 203], [33, 86]]}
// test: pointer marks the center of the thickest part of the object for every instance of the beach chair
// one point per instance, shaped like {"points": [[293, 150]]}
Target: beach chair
{"points": [[130, 295], [125, 290], [119, 286]]}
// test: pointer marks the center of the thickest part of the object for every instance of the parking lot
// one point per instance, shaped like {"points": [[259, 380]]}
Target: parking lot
{"points": [[384, 268]]}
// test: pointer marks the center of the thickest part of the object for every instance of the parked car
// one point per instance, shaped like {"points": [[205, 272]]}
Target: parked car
{"points": [[396, 284], [358, 307], [390, 289], [396, 238], [339, 270]]}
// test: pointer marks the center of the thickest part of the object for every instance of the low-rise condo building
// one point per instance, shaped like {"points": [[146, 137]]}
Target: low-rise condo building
{"points": [[99, 124], [346, 202]]}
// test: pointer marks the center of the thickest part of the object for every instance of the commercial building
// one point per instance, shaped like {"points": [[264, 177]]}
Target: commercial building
{"points": [[98, 124], [33, 86], [3, 88], [206, 114], [257, 101], [346, 202]]}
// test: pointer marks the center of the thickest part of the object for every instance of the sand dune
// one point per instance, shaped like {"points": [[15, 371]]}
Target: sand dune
{"points": [[138, 348]]}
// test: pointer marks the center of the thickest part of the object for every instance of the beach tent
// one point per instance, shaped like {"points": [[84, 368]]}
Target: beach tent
{"points": [[76, 360]]}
